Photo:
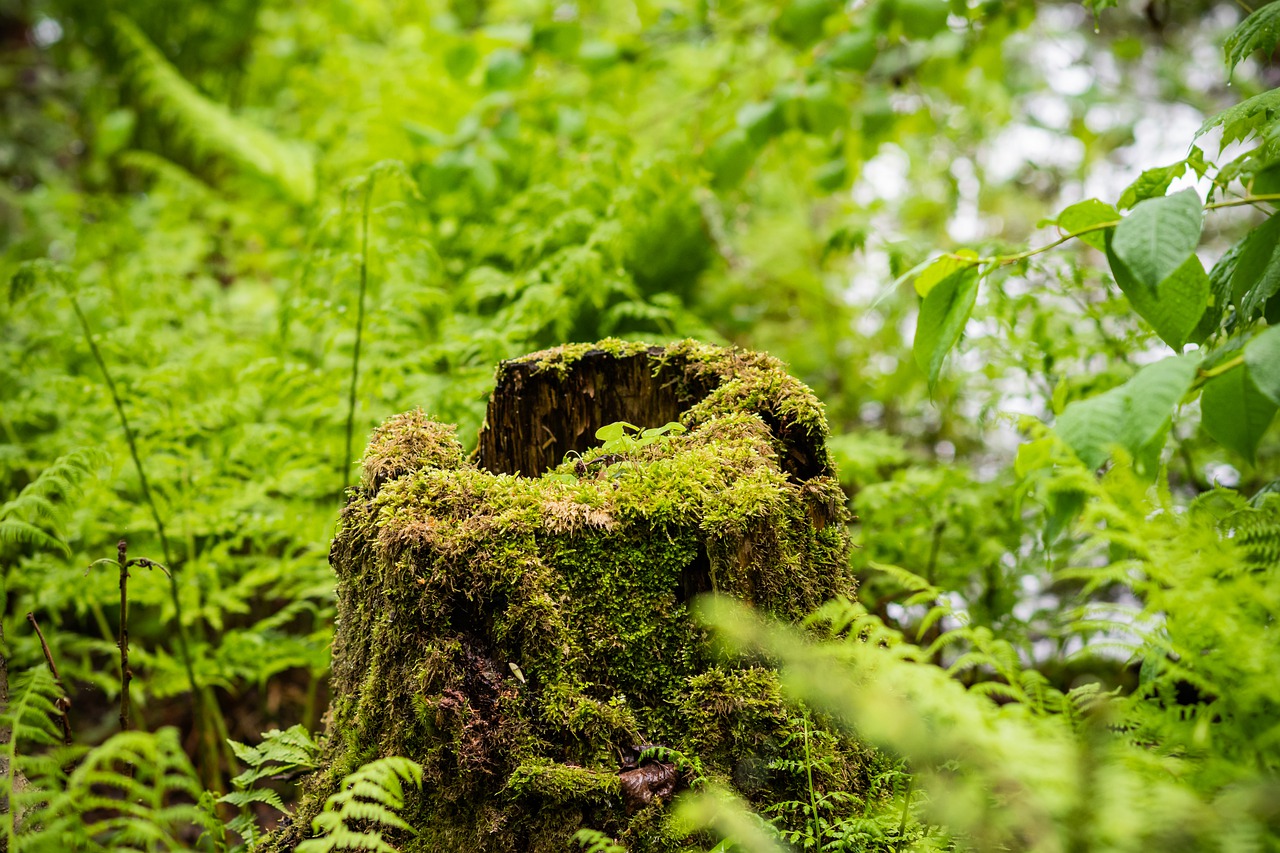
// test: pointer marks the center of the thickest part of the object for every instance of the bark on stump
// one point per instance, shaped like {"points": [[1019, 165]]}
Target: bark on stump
{"points": [[520, 622]]}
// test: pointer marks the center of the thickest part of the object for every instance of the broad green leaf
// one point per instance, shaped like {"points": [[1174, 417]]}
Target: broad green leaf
{"points": [[1089, 427], [461, 59], [1088, 214], [1259, 31], [1175, 308], [1257, 271], [941, 268], [1158, 236], [1235, 412], [943, 316], [1267, 181], [115, 130], [1061, 508], [558, 38], [1262, 357], [1150, 397], [1132, 416]]}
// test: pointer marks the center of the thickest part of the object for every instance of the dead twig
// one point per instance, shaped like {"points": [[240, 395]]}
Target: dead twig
{"points": [[123, 562], [63, 703]]}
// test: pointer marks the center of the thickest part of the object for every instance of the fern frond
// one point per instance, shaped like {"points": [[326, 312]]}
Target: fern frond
{"points": [[44, 500], [207, 128], [595, 841], [30, 781], [14, 532], [280, 752], [1257, 532], [372, 795], [255, 795], [140, 788]]}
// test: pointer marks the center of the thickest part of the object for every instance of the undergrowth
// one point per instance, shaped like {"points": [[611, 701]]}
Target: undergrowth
{"points": [[237, 235]]}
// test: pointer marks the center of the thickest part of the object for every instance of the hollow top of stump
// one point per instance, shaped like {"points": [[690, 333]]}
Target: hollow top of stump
{"points": [[550, 403]]}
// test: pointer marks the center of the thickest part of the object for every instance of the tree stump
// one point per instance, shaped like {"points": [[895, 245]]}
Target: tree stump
{"points": [[520, 623]]}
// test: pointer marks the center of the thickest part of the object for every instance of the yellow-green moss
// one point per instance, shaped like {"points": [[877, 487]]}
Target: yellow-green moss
{"points": [[517, 635]]}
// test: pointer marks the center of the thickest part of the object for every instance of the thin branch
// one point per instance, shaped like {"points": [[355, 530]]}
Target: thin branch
{"points": [[63, 703], [202, 713], [1006, 260], [355, 358]]}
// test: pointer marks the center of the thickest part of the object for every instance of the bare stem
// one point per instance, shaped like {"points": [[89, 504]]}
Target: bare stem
{"points": [[126, 674], [184, 645], [355, 357], [1006, 260], [64, 702]]}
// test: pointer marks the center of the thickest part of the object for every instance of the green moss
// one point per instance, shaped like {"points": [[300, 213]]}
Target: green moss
{"points": [[561, 783], [518, 635]]}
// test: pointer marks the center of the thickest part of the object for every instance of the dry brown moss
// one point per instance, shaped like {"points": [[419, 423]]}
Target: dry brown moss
{"points": [[519, 636]]}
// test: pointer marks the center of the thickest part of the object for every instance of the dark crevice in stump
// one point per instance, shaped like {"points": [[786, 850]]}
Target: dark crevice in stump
{"points": [[547, 405]]}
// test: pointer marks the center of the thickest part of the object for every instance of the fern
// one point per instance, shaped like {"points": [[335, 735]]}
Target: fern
{"points": [[595, 841], [1257, 532], [28, 721], [208, 127], [137, 791], [35, 516], [281, 752], [373, 796], [140, 789]]}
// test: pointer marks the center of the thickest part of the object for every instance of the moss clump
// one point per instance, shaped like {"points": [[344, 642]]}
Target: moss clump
{"points": [[521, 636]]}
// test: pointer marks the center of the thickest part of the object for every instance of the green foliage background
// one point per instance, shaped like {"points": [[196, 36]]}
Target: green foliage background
{"points": [[275, 224]]}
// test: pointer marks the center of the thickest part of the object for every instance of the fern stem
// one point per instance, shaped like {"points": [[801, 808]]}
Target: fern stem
{"points": [[126, 675], [183, 645], [906, 810], [355, 358], [813, 800], [64, 703]]}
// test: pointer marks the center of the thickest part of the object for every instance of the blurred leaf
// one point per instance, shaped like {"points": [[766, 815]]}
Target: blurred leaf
{"points": [[801, 21], [852, 51], [209, 128], [1256, 277], [1130, 416], [504, 68], [922, 19], [1262, 357], [1235, 412]]}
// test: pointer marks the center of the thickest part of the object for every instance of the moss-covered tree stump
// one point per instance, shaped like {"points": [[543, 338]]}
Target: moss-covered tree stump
{"points": [[520, 622]]}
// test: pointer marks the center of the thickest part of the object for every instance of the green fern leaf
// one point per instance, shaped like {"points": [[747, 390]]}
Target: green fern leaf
{"points": [[371, 796], [207, 128]]}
